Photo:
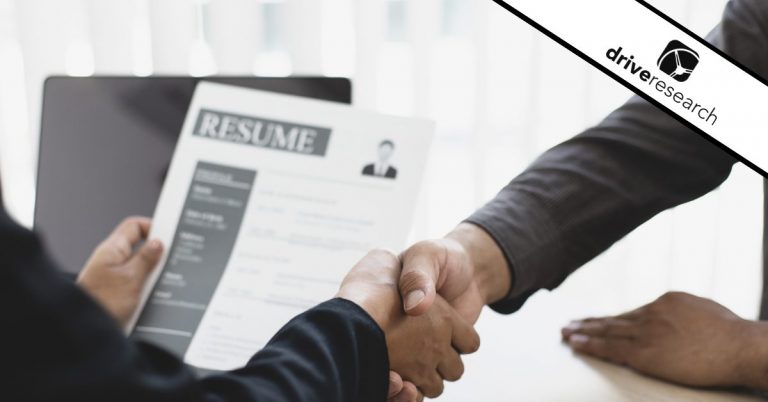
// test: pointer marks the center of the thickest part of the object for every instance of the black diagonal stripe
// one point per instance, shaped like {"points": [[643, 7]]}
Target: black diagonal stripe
{"points": [[640, 93]]}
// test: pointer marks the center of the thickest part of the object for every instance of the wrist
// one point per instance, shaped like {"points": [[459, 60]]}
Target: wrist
{"points": [[490, 269], [753, 370], [378, 311]]}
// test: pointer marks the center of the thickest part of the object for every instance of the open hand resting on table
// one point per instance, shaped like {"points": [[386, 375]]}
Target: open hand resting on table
{"points": [[680, 338]]}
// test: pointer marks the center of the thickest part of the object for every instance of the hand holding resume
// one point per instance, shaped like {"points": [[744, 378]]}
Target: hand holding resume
{"points": [[265, 208]]}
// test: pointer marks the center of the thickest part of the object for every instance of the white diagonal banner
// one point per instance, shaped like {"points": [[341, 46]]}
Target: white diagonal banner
{"points": [[664, 63]]}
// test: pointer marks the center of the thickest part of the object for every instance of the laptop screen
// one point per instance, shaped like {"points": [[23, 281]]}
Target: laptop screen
{"points": [[105, 147]]}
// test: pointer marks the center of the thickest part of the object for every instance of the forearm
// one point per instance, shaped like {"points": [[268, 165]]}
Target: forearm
{"points": [[580, 197], [333, 352], [65, 342], [585, 194]]}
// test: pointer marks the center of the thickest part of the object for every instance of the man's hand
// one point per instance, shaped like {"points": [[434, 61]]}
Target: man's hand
{"points": [[423, 350], [680, 338], [117, 269], [466, 268]]}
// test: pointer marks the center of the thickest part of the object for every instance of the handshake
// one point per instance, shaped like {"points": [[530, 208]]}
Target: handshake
{"points": [[426, 301]]}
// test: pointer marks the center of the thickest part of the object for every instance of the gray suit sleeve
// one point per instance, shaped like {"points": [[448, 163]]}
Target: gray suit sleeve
{"points": [[585, 194]]}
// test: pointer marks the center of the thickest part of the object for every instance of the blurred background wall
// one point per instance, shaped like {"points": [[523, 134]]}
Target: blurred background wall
{"points": [[490, 81]]}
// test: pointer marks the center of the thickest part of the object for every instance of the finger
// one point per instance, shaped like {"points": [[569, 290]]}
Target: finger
{"points": [[464, 338], [395, 384], [434, 386], [124, 238], [451, 368], [573, 325], [145, 259], [409, 393], [616, 350], [603, 327], [133, 229]]}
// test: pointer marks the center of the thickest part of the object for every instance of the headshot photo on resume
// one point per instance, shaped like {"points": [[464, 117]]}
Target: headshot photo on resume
{"points": [[382, 167]]}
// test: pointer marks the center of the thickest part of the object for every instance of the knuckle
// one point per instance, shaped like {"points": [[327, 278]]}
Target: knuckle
{"points": [[453, 376], [457, 372], [117, 250], [590, 345], [670, 297], [131, 221], [643, 312], [652, 309], [412, 279], [425, 246], [434, 390], [429, 249], [600, 328], [381, 252], [473, 344], [612, 328], [373, 263]]}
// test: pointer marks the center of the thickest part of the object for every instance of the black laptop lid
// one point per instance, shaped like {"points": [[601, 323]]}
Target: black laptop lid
{"points": [[106, 143]]}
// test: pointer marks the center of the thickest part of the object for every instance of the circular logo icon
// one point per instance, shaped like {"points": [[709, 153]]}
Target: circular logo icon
{"points": [[678, 61]]}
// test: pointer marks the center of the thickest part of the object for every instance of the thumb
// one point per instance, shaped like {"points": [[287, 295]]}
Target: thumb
{"points": [[145, 259], [418, 280]]}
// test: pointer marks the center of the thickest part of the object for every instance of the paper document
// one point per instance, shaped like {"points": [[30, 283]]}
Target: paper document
{"points": [[269, 201]]}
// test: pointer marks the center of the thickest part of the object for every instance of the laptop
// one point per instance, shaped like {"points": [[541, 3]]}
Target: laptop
{"points": [[105, 147]]}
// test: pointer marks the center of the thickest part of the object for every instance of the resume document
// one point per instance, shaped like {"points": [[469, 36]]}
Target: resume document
{"points": [[268, 202]]}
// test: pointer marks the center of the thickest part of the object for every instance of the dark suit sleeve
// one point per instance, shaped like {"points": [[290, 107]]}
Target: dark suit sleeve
{"points": [[580, 197], [56, 344]]}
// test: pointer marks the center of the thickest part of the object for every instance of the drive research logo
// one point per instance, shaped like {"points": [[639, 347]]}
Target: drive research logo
{"points": [[678, 61], [682, 61]]}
